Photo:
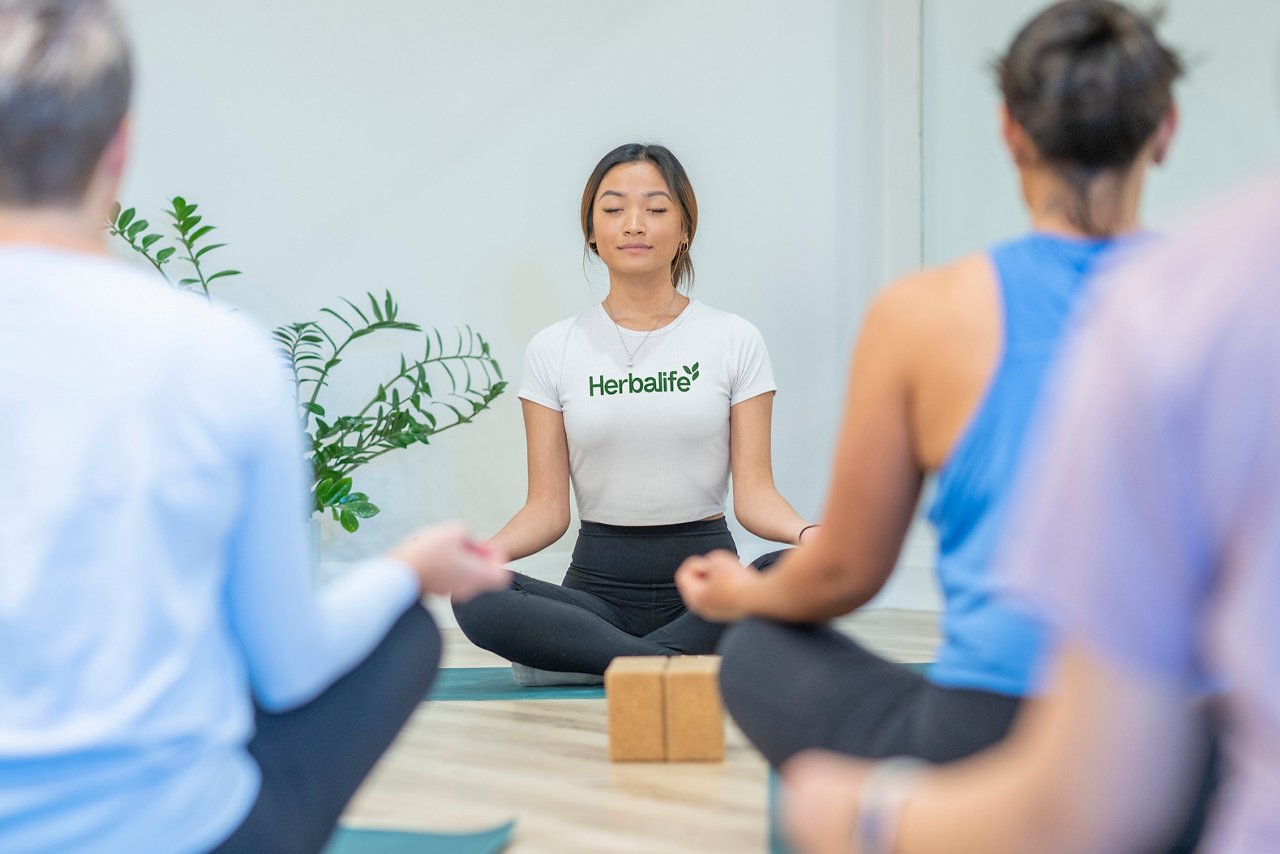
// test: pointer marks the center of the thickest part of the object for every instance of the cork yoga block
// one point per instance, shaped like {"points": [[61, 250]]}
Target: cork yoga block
{"points": [[695, 715], [665, 708], [633, 686]]}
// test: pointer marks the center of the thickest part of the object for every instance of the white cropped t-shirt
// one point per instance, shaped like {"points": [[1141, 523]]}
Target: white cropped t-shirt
{"points": [[648, 445]]}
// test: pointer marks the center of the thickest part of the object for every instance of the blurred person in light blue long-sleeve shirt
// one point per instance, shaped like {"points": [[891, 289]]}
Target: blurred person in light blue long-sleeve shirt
{"points": [[169, 679]]}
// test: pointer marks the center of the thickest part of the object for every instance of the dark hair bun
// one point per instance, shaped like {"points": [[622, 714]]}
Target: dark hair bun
{"points": [[1089, 81]]}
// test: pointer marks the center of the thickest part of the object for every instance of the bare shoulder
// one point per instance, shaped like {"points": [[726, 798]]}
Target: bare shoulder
{"points": [[922, 303]]}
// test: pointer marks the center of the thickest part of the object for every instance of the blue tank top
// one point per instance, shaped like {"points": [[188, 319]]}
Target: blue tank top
{"points": [[986, 644]]}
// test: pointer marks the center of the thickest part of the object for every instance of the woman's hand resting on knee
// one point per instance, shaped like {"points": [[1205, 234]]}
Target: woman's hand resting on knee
{"points": [[448, 562]]}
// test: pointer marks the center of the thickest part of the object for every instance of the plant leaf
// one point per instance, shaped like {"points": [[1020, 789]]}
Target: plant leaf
{"points": [[338, 316], [365, 509], [208, 249], [356, 310]]}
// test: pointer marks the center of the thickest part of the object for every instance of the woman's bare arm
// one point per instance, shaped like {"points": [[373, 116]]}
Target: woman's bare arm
{"points": [[545, 515], [756, 500]]}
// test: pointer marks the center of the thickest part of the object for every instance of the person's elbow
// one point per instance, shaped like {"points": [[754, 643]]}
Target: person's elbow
{"points": [[284, 695], [557, 524], [553, 522], [749, 503], [842, 583], [546, 518]]}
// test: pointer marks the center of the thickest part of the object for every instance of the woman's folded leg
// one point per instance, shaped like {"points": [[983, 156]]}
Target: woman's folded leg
{"points": [[550, 627], [793, 687]]}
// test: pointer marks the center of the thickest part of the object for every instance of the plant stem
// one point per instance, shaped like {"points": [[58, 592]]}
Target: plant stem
{"points": [[321, 378], [191, 257], [461, 357], [143, 252], [346, 471]]}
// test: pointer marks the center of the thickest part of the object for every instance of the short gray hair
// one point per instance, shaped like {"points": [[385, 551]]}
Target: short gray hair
{"points": [[65, 78]]}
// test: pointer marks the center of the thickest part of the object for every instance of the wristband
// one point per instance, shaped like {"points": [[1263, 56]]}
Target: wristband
{"points": [[888, 786]]}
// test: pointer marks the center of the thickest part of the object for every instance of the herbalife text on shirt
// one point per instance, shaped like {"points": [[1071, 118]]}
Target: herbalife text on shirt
{"points": [[663, 381]]}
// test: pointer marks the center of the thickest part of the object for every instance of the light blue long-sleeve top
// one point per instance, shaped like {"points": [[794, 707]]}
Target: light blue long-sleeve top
{"points": [[155, 574]]}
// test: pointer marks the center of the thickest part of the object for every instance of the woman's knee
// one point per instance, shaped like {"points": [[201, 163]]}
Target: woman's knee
{"points": [[743, 647], [482, 617], [417, 634], [768, 559], [745, 637]]}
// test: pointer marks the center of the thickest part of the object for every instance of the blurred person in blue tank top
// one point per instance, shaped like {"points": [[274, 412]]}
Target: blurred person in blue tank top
{"points": [[946, 376]]}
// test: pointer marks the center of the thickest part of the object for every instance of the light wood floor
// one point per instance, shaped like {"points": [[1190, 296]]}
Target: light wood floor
{"points": [[467, 765]]}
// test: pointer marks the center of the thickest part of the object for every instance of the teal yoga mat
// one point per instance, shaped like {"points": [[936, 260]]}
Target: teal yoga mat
{"points": [[777, 845], [496, 683], [360, 840]]}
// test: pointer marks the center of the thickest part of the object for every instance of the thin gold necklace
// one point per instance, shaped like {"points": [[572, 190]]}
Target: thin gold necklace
{"points": [[631, 354]]}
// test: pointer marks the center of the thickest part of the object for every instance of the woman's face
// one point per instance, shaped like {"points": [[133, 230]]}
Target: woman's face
{"points": [[636, 222]]}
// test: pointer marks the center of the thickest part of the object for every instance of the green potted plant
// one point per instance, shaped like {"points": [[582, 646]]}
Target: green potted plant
{"points": [[447, 381]]}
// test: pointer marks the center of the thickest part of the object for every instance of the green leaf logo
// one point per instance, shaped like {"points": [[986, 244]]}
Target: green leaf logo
{"points": [[691, 370]]}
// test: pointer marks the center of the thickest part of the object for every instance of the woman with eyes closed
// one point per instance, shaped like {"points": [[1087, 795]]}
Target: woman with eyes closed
{"points": [[645, 402]]}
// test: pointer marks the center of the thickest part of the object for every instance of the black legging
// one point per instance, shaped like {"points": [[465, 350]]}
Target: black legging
{"points": [[618, 598], [313, 758], [790, 687]]}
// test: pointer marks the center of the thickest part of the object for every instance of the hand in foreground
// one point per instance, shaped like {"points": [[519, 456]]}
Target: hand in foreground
{"points": [[449, 563], [713, 585], [820, 800]]}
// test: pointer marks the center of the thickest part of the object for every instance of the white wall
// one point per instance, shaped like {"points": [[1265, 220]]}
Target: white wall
{"points": [[440, 148], [1229, 101], [1230, 107]]}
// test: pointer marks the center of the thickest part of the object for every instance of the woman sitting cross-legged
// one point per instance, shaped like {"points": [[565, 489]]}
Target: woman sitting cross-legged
{"points": [[646, 401], [947, 372]]}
